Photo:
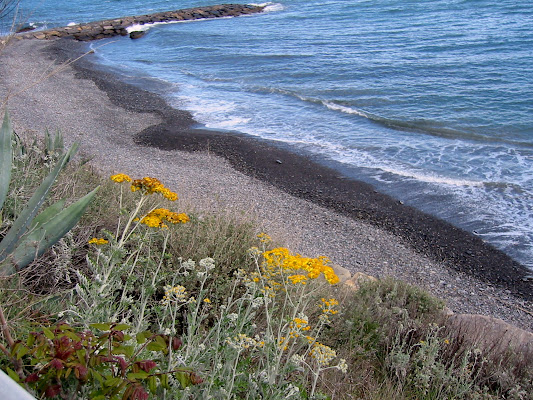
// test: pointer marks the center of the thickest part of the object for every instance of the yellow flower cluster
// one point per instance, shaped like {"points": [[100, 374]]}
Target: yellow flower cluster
{"points": [[328, 306], [264, 238], [119, 178], [157, 218], [152, 185], [174, 293], [297, 326], [98, 241], [146, 185], [295, 279], [322, 354], [282, 258]]}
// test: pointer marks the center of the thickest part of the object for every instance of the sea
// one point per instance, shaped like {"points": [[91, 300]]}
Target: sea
{"points": [[430, 101]]}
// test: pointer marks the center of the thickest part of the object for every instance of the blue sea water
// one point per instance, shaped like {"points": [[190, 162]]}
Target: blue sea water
{"points": [[430, 101]]}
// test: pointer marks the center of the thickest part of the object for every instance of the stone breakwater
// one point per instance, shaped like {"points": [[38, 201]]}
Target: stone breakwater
{"points": [[118, 27]]}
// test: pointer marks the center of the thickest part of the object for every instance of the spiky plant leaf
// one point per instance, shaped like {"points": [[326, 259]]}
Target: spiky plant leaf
{"points": [[48, 232], [24, 220], [6, 157]]}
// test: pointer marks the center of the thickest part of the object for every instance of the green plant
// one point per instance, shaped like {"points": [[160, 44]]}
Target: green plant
{"points": [[63, 361], [31, 234]]}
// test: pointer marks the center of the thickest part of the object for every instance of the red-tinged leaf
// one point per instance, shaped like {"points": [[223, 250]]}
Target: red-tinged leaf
{"points": [[52, 390], [32, 378], [195, 379], [139, 393], [81, 372], [146, 365], [118, 335], [123, 364], [128, 392], [57, 364], [176, 343]]}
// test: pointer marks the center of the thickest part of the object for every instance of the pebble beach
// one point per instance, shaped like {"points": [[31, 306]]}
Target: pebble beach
{"points": [[313, 210]]}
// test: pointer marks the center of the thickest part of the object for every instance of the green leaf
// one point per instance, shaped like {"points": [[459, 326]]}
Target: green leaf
{"points": [[12, 374], [184, 378], [152, 384], [96, 375], [48, 333], [102, 327], [47, 233], [126, 350], [163, 378], [121, 327], [112, 382], [30, 341], [156, 347], [6, 157], [138, 375], [81, 353], [142, 336], [22, 351]]}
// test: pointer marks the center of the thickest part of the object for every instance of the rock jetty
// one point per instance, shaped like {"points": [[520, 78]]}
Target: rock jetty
{"points": [[118, 27]]}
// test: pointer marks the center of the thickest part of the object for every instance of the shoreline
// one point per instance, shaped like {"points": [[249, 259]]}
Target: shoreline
{"points": [[469, 274]]}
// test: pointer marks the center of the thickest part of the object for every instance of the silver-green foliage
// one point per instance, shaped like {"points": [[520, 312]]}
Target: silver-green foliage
{"points": [[31, 234]]}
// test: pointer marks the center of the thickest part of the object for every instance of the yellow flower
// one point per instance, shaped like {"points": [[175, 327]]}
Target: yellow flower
{"points": [[281, 258], [120, 178], [328, 306], [264, 238], [206, 300], [295, 279], [148, 185], [98, 241], [157, 218]]}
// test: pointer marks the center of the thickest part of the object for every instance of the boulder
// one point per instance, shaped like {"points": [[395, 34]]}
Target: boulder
{"points": [[355, 281], [137, 34], [491, 334]]}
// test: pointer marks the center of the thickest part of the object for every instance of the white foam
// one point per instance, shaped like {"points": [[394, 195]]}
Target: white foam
{"points": [[344, 109], [270, 6], [72, 23]]}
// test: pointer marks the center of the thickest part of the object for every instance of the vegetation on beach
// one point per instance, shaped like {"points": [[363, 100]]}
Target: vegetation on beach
{"points": [[142, 299]]}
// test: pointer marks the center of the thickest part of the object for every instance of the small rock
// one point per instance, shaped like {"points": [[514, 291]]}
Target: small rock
{"points": [[137, 34], [279, 161]]}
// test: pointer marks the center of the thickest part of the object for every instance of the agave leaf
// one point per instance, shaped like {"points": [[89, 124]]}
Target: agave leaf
{"points": [[59, 144], [6, 158], [48, 231], [47, 214], [24, 220]]}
